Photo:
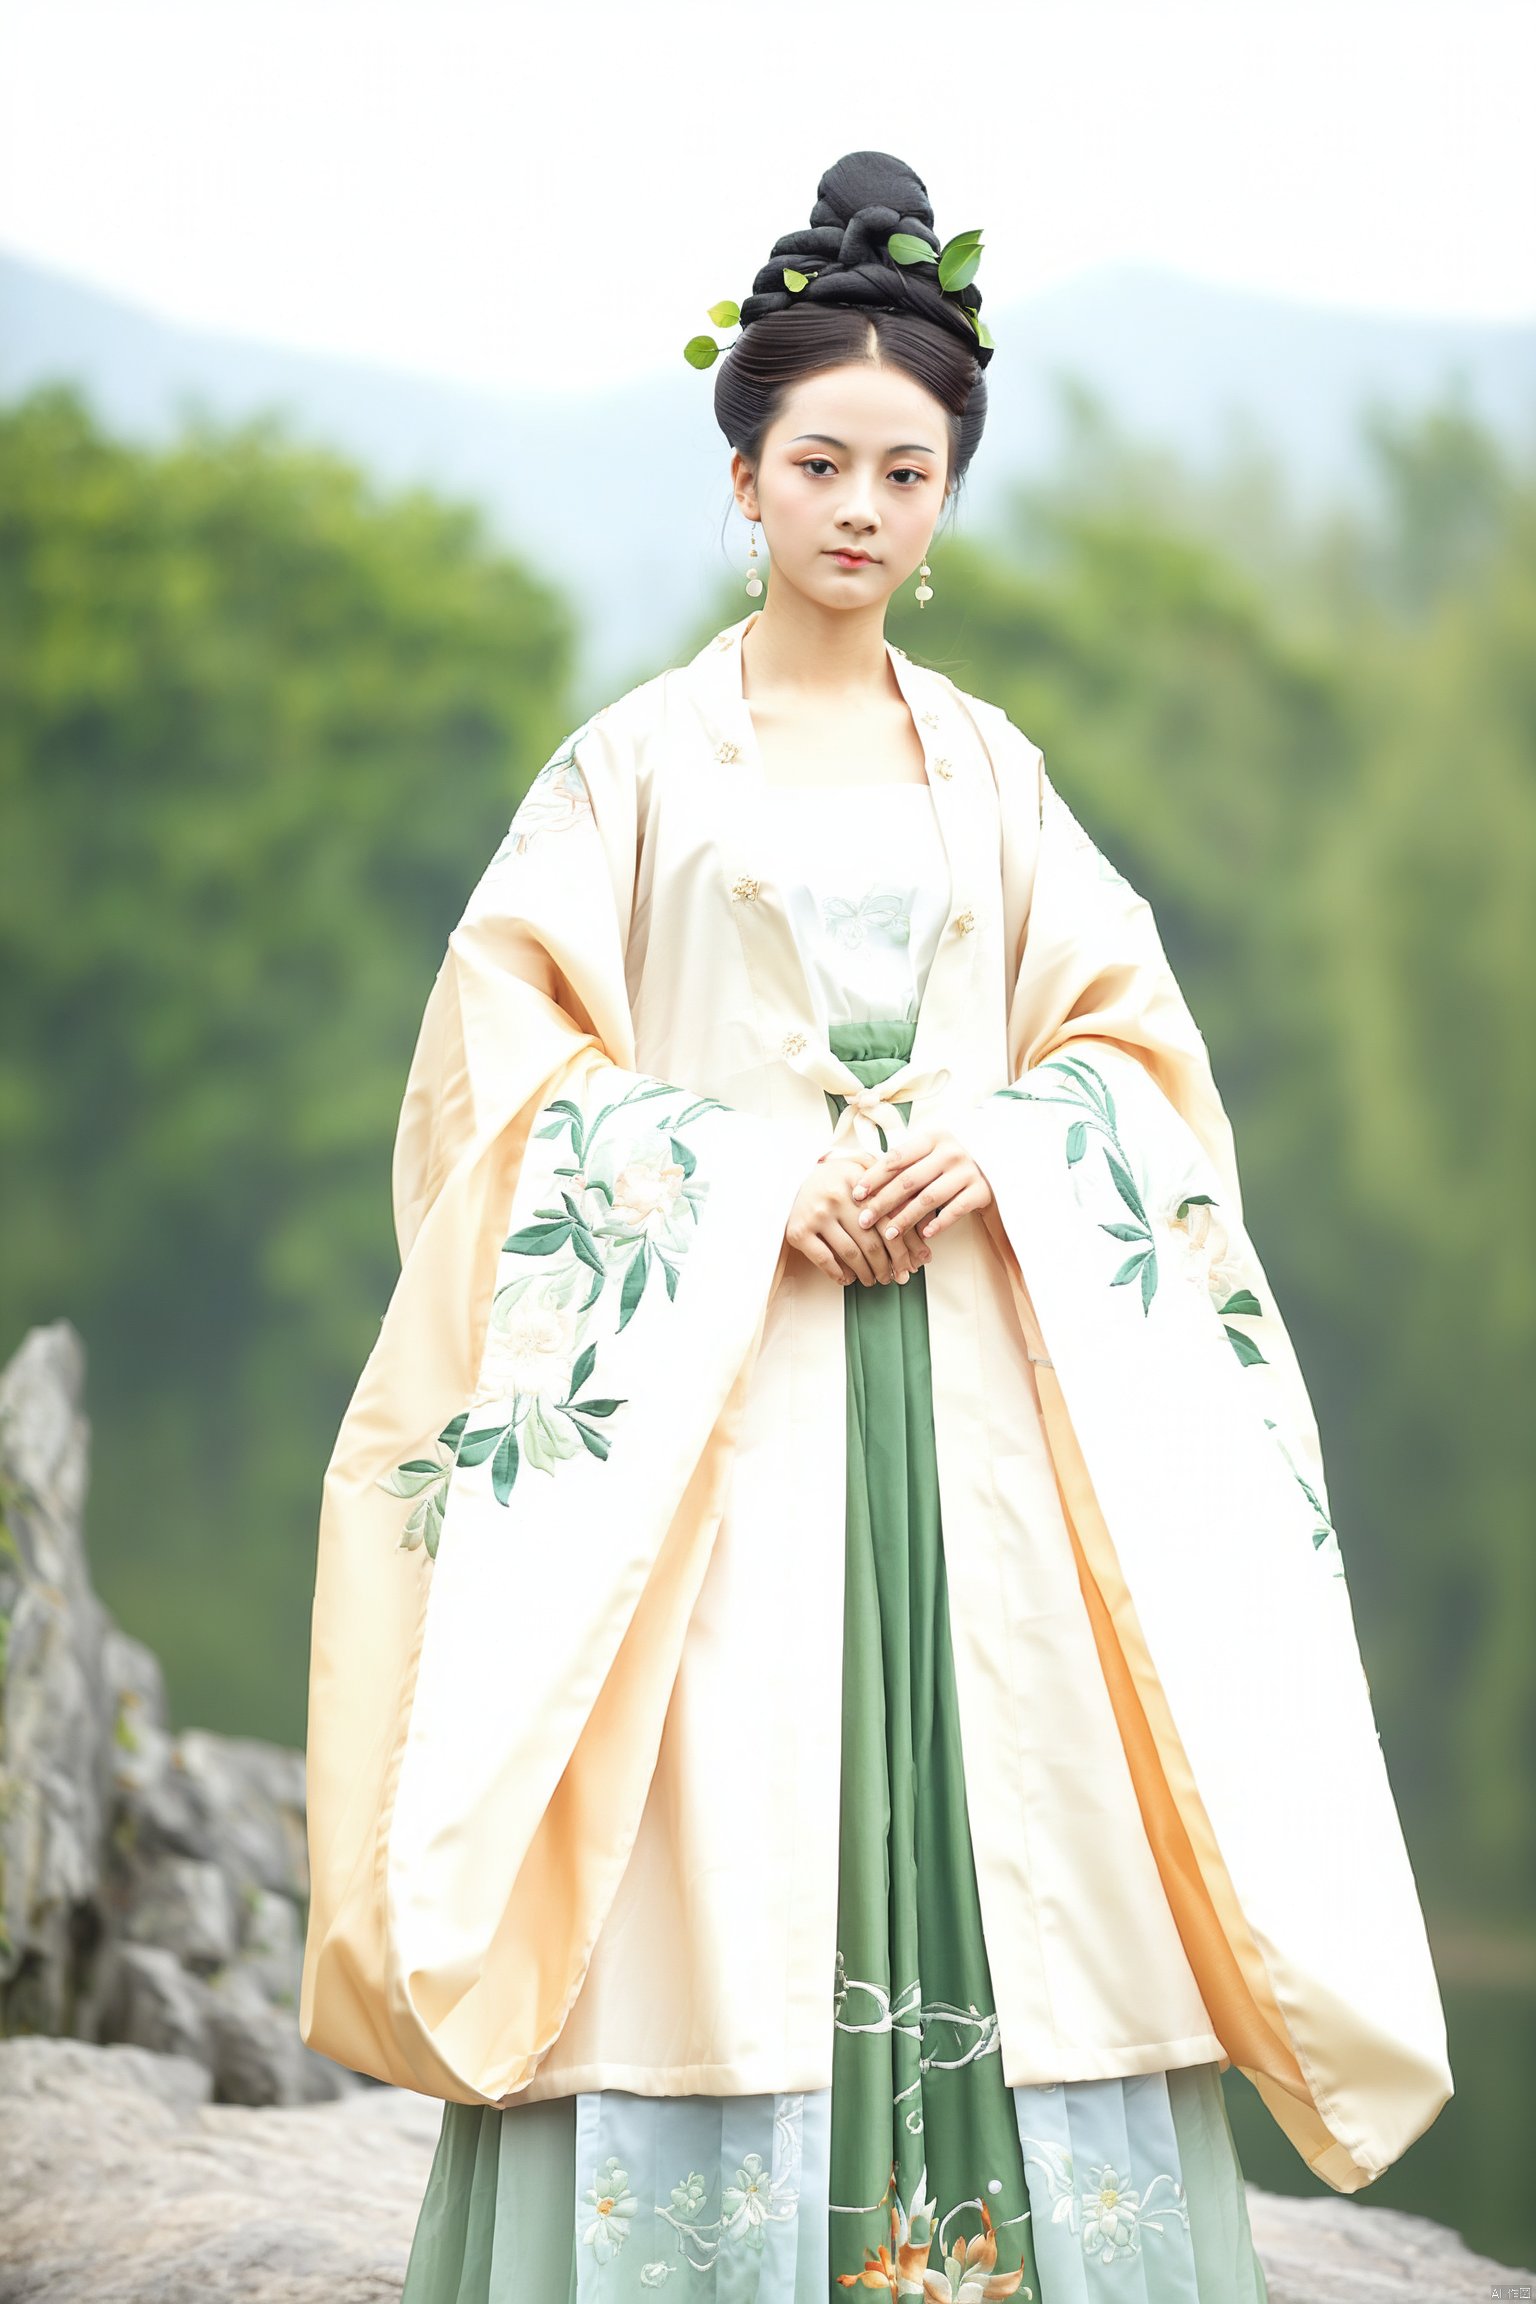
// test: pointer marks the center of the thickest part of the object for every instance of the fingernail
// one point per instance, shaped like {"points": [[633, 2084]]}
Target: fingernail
{"points": [[903, 1278], [891, 1231], [859, 1191], [868, 1216]]}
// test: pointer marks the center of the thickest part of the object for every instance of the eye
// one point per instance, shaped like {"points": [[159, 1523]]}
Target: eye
{"points": [[912, 470]]}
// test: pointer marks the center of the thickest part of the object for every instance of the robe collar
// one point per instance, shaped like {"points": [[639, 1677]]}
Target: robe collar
{"points": [[960, 779]]}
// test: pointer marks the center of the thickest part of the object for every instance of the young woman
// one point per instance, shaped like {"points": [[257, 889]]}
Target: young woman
{"points": [[835, 1713]]}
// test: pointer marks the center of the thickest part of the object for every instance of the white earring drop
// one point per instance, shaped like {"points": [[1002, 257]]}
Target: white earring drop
{"points": [[924, 588], [754, 581]]}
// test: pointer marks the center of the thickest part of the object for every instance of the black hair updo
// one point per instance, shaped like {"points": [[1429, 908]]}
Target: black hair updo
{"points": [[854, 287]]}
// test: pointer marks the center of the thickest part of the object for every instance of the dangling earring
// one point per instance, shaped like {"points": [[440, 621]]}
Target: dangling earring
{"points": [[924, 588], [754, 581]]}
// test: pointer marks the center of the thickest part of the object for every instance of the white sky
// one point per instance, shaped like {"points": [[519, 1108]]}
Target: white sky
{"points": [[393, 178]]}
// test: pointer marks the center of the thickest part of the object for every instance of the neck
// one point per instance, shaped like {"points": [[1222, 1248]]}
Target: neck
{"points": [[795, 647]]}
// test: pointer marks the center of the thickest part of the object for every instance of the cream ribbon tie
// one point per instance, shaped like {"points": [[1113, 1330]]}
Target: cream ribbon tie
{"points": [[867, 1110]]}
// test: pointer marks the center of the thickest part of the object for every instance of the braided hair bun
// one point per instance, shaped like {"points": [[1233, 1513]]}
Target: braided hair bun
{"points": [[860, 201]]}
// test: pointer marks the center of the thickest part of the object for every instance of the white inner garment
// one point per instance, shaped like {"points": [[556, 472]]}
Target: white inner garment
{"points": [[866, 886]]}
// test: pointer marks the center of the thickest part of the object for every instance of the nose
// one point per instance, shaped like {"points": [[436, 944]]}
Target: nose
{"points": [[858, 512]]}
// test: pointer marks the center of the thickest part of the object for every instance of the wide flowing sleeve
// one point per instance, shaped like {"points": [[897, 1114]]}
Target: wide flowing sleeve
{"points": [[520, 1504], [1188, 1457]]}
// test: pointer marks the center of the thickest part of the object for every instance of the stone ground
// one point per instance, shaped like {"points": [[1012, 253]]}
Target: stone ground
{"points": [[122, 2183]]}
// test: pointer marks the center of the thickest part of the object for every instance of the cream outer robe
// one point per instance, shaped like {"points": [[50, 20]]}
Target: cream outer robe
{"points": [[573, 1756]]}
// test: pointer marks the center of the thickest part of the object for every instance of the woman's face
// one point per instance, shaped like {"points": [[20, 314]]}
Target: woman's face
{"points": [[857, 456]]}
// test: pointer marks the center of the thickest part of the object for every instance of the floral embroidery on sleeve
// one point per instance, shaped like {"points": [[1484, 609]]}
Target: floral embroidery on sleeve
{"points": [[555, 800], [623, 1210], [1090, 1093], [1210, 1260]]}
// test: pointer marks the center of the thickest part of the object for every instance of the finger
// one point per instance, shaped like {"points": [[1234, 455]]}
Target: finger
{"points": [[963, 1203], [899, 1191], [908, 1254], [905, 1252], [915, 1145], [815, 1251], [876, 1249], [854, 1253], [930, 1196]]}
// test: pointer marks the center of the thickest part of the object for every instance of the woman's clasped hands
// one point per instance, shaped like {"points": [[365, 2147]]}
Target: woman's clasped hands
{"points": [[873, 1217]]}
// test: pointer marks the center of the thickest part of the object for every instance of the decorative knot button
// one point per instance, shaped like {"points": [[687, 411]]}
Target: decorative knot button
{"points": [[929, 719], [727, 752], [794, 1042], [744, 888], [724, 639], [942, 768], [965, 922]]}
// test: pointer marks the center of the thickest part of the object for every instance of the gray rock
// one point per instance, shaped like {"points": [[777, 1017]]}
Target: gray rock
{"points": [[122, 2183], [187, 1904], [155, 2004], [272, 1945], [1343, 2251], [152, 1885]]}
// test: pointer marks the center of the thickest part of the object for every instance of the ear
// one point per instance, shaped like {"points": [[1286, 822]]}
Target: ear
{"points": [[744, 486]]}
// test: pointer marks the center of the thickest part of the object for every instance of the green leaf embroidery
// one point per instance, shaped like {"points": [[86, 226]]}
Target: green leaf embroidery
{"points": [[1089, 1091]]}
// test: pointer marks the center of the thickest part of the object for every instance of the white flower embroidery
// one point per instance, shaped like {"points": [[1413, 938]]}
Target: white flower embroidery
{"points": [[646, 1190], [1207, 1264], [531, 1345], [883, 911], [751, 2202], [614, 2206], [1110, 2214]]}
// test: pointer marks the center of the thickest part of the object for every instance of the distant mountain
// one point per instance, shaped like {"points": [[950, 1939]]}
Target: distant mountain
{"points": [[622, 497]]}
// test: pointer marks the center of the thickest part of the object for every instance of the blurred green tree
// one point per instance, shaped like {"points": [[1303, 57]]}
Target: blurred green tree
{"points": [[259, 729]]}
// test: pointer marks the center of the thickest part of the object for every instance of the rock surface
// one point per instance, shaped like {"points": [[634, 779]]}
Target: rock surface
{"points": [[121, 2182], [152, 1885]]}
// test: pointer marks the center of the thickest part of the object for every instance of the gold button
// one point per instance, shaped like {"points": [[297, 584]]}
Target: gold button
{"points": [[745, 887], [965, 922], [727, 752], [929, 719], [943, 768], [724, 639], [794, 1042]]}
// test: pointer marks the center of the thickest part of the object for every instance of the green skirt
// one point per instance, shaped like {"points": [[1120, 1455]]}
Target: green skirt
{"points": [[919, 2172]]}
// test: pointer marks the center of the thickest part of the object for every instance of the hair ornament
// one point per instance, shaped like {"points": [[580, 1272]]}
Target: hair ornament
{"points": [[872, 225]]}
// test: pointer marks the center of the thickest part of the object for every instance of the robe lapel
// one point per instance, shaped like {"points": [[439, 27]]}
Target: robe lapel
{"points": [[960, 1030]]}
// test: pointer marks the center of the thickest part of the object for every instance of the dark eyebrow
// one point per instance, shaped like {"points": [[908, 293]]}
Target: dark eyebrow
{"points": [[902, 447]]}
